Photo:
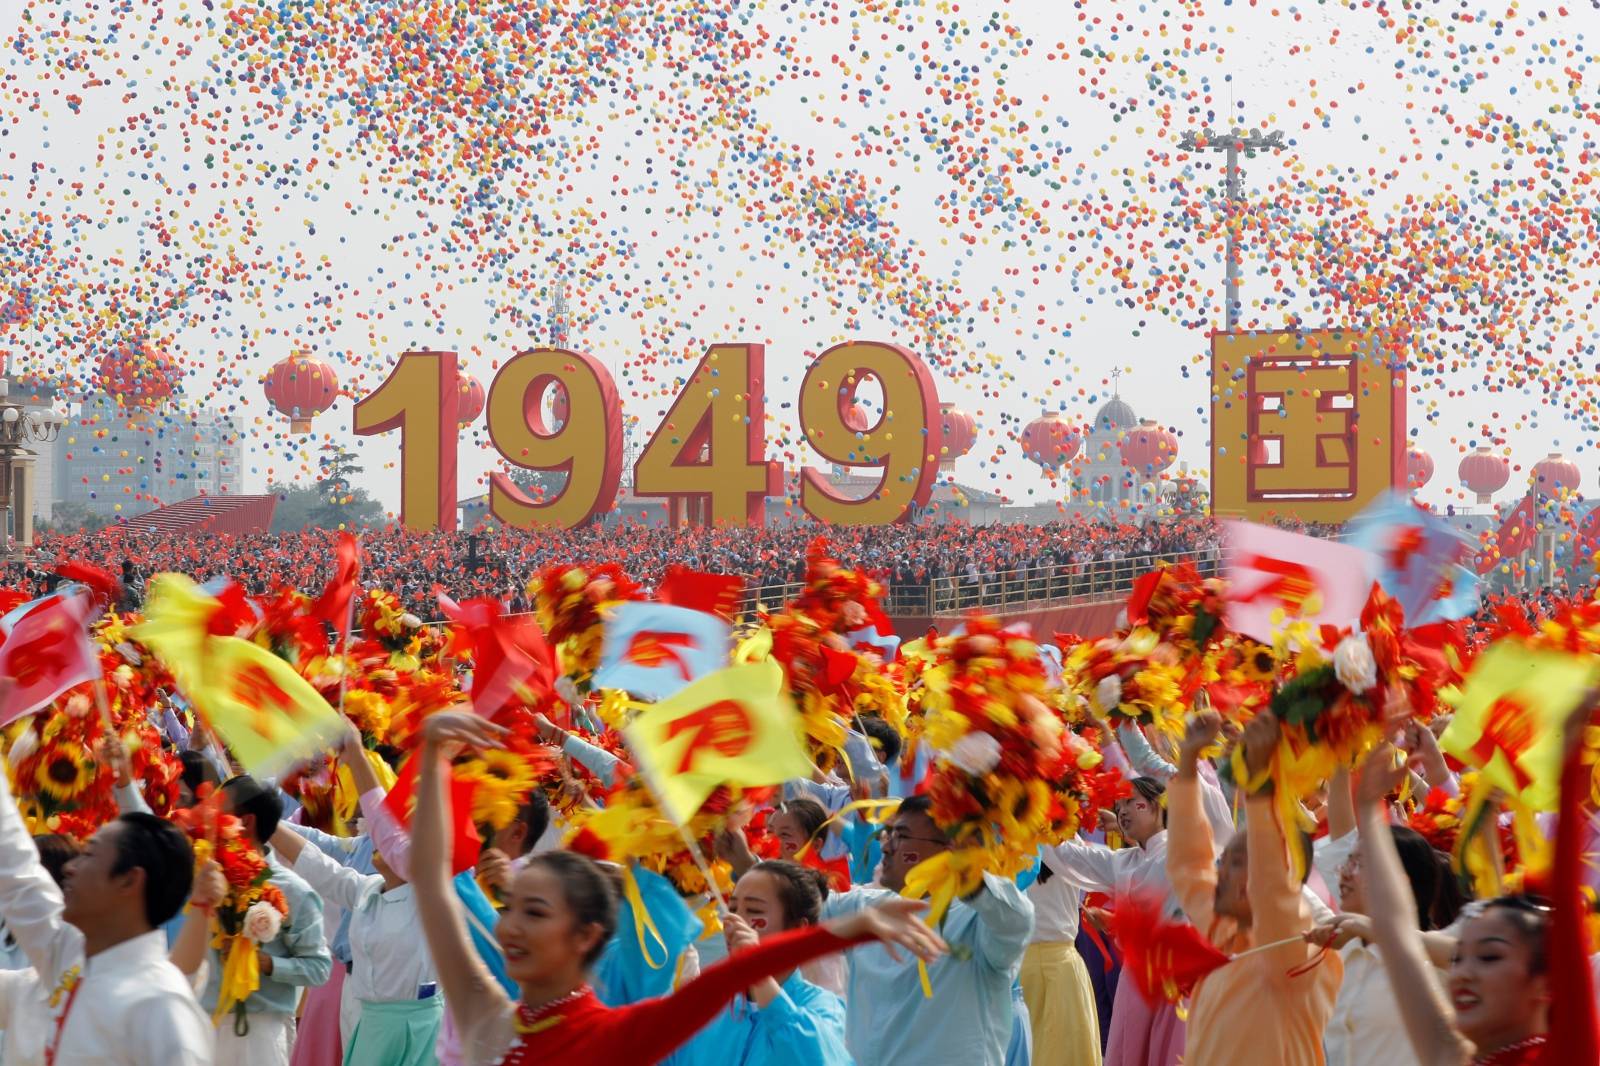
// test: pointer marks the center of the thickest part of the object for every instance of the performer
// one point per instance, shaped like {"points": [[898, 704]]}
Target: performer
{"points": [[1521, 984], [1366, 1028], [1055, 981], [781, 1019], [1270, 1007], [1142, 1033], [969, 1019], [100, 987], [297, 958], [561, 911]]}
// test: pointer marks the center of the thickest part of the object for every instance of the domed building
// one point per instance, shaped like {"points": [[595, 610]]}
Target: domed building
{"points": [[1100, 477]]}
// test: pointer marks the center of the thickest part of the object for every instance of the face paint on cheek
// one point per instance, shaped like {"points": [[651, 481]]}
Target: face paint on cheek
{"points": [[911, 858], [758, 924]]}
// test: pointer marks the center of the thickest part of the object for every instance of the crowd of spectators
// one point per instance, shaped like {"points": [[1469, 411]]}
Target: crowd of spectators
{"points": [[499, 561]]}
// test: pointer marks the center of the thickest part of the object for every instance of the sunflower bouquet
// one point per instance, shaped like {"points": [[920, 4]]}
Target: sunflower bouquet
{"points": [[571, 603], [1005, 773], [1134, 677], [249, 915]]}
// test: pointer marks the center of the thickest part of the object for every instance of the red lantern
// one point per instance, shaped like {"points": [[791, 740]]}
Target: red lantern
{"points": [[855, 418], [469, 398], [1051, 441], [301, 386], [958, 433], [1419, 468], [138, 376], [1555, 473], [1484, 473], [1149, 449]]}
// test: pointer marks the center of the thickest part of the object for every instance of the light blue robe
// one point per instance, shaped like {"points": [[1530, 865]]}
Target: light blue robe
{"points": [[803, 1026], [969, 1018]]}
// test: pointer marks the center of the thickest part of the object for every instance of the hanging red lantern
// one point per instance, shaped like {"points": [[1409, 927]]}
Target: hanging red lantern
{"points": [[1419, 468], [301, 386], [1051, 441], [1484, 473], [469, 398], [1149, 448], [138, 376], [1554, 474], [958, 433]]}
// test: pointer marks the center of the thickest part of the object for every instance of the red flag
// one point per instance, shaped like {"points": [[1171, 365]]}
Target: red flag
{"points": [[511, 661], [1166, 958], [46, 651], [464, 840], [104, 586], [1517, 534], [333, 606], [711, 593]]}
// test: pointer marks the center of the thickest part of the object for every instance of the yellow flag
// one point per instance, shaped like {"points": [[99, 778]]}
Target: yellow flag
{"points": [[1510, 714], [262, 709], [734, 727]]}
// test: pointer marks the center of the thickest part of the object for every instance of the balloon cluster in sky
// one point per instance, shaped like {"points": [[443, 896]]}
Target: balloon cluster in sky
{"points": [[197, 189]]}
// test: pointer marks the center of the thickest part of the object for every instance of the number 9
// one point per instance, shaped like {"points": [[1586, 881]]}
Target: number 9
{"points": [[587, 447], [904, 443]]}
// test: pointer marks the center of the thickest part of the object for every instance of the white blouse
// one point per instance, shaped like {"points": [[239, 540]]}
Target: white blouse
{"points": [[390, 960]]}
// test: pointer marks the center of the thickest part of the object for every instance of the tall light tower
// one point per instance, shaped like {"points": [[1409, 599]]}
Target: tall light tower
{"points": [[558, 310], [1232, 143]]}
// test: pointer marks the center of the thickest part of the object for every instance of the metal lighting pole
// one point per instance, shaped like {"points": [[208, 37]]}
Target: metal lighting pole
{"points": [[19, 428], [1231, 143]]}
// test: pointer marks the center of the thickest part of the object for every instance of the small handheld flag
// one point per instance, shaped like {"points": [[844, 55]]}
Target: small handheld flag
{"points": [[736, 726], [653, 650]]}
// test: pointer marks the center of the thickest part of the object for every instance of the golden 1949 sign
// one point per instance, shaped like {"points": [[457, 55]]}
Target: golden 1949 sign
{"points": [[709, 450], [1303, 424]]}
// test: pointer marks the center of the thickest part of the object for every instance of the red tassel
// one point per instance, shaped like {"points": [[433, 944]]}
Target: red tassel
{"points": [[1165, 958]]}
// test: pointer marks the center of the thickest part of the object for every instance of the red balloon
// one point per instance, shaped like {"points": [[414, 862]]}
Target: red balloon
{"points": [[469, 399], [1419, 468], [301, 386], [1051, 441], [138, 375], [1149, 449], [1484, 473], [960, 432], [1554, 473]]}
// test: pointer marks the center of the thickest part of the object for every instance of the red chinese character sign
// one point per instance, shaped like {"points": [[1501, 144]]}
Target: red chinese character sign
{"points": [[1305, 424], [707, 457]]}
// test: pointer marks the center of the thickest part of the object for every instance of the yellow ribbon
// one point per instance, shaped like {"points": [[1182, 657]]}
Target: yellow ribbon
{"points": [[241, 975], [941, 878], [642, 922]]}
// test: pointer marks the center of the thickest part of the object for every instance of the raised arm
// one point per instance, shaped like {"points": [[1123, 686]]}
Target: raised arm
{"points": [[30, 901], [333, 882], [1573, 1036], [470, 994], [1005, 921], [189, 949], [670, 1020], [1191, 862], [1429, 1020], [1274, 891]]}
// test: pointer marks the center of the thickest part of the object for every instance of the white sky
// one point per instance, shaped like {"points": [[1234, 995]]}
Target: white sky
{"points": [[1045, 345]]}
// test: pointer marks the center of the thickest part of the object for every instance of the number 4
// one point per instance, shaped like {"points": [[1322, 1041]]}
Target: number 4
{"points": [[710, 446]]}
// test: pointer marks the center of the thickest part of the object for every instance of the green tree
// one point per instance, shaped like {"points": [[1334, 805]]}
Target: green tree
{"points": [[73, 517], [333, 501]]}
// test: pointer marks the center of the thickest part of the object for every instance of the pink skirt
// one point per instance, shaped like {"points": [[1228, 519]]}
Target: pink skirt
{"points": [[319, 1042], [1142, 1034]]}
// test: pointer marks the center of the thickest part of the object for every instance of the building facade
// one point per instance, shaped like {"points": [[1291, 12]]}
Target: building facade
{"points": [[119, 463]]}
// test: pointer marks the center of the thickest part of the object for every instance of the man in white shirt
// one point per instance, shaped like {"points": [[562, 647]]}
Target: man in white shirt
{"points": [[99, 989]]}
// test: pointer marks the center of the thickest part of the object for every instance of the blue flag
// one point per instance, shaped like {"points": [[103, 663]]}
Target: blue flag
{"points": [[1416, 559], [653, 650], [867, 638]]}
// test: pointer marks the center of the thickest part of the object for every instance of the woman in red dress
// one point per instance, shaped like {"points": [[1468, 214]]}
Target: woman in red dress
{"points": [[560, 912]]}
